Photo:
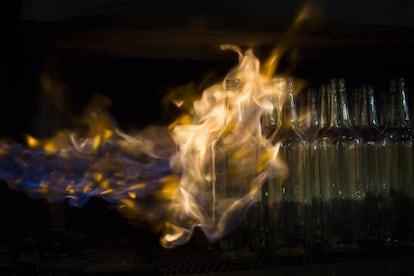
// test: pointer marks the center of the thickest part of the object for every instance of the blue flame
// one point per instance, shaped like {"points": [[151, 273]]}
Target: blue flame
{"points": [[72, 175]]}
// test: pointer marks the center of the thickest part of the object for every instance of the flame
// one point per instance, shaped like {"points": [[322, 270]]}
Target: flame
{"points": [[287, 40], [101, 161], [166, 175], [217, 114], [162, 175]]}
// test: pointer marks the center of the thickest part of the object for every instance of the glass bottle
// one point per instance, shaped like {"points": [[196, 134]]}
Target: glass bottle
{"points": [[312, 191], [234, 161], [367, 125], [321, 175], [339, 171], [271, 194], [397, 144], [287, 200]]}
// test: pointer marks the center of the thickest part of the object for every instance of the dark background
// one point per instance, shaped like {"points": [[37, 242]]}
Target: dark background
{"points": [[133, 52], [382, 12]]}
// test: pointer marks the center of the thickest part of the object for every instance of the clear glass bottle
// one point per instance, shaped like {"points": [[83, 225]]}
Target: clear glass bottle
{"points": [[288, 196], [234, 161], [372, 226], [397, 178], [321, 175], [271, 194], [337, 150], [312, 191]]}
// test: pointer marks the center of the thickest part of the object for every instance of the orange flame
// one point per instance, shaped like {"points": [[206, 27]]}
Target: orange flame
{"points": [[286, 41], [198, 202], [173, 166]]}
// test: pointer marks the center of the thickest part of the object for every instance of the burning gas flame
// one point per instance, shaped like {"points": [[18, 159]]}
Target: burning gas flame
{"points": [[169, 167], [165, 175], [197, 203]]}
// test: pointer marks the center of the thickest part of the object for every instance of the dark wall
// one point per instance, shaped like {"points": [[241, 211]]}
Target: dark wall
{"points": [[381, 12], [12, 66], [137, 85]]}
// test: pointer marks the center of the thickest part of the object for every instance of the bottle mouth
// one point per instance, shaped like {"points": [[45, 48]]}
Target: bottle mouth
{"points": [[232, 83]]}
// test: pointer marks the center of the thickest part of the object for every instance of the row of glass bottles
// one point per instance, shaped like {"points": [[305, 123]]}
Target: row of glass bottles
{"points": [[348, 182]]}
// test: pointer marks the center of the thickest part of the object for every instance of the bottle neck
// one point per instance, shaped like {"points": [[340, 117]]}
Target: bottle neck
{"points": [[369, 117], [289, 131], [334, 107], [289, 112], [339, 105], [232, 100], [279, 99], [324, 107], [313, 120], [399, 115], [289, 115], [405, 109]]}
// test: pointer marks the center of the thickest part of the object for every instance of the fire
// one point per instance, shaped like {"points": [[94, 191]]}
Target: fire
{"points": [[205, 169], [173, 167], [229, 118]]}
